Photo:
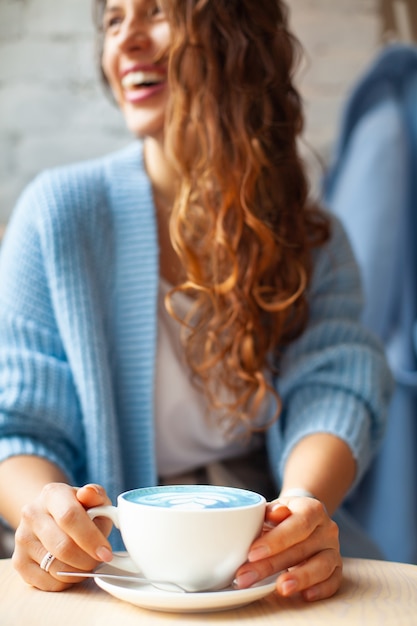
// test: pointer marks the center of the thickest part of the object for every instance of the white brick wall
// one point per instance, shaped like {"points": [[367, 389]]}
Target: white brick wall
{"points": [[52, 109]]}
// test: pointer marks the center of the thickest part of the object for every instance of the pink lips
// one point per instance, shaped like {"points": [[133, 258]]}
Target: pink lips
{"points": [[139, 94]]}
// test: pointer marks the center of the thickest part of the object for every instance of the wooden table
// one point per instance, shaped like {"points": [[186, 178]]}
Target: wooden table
{"points": [[373, 593]]}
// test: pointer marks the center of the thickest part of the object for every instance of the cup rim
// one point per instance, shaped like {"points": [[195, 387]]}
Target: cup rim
{"points": [[259, 499]]}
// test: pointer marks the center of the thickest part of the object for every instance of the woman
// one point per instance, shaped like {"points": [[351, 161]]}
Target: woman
{"points": [[169, 309]]}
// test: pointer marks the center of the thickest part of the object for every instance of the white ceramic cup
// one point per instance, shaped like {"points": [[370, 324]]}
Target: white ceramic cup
{"points": [[196, 536]]}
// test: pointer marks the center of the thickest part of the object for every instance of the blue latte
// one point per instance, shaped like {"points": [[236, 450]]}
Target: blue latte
{"points": [[193, 497]]}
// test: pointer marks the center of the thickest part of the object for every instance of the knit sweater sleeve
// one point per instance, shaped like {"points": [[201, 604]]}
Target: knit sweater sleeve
{"points": [[39, 410], [334, 378]]}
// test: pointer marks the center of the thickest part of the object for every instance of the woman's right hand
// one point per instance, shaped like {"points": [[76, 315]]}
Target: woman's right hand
{"points": [[57, 522]]}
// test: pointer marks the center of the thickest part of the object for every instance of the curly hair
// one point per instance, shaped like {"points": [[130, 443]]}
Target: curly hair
{"points": [[242, 224]]}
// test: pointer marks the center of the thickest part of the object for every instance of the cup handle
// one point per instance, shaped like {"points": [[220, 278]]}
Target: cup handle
{"points": [[124, 563]]}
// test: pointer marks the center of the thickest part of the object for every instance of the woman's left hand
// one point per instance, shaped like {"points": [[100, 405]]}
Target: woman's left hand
{"points": [[302, 542]]}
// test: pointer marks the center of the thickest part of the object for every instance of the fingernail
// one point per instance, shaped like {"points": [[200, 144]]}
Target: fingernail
{"points": [[104, 554], [288, 587], [246, 580], [276, 506], [261, 552], [96, 488]]}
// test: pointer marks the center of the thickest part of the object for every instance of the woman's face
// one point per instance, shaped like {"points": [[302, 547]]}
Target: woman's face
{"points": [[136, 38]]}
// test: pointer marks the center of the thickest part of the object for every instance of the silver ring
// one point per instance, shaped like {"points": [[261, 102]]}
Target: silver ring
{"points": [[47, 561]]}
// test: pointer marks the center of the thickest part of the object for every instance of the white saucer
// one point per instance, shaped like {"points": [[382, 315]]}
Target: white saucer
{"points": [[149, 597]]}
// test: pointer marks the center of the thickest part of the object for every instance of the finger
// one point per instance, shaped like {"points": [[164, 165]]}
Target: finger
{"points": [[323, 537], [252, 572], [26, 559], [325, 589], [66, 529], [318, 577], [276, 512], [39, 534], [95, 495], [30, 552], [298, 526], [33, 575], [92, 495]]}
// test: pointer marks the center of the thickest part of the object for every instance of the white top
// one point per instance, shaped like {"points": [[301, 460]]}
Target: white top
{"points": [[185, 436]]}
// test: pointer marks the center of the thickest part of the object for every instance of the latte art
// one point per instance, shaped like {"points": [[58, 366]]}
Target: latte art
{"points": [[190, 501], [190, 498]]}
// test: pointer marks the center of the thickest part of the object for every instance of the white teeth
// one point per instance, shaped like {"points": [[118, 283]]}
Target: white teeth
{"points": [[139, 78]]}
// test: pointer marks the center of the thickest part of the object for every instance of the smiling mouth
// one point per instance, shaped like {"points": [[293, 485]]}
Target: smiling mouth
{"points": [[140, 79]]}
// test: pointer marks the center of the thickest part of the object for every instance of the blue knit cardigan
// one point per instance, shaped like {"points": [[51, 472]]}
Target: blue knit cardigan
{"points": [[78, 325]]}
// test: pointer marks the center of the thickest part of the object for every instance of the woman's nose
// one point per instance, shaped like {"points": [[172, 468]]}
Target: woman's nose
{"points": [[133, 34]]}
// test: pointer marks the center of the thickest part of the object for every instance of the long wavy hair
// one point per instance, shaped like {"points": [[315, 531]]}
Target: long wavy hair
{"points": [[242, 224]]}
